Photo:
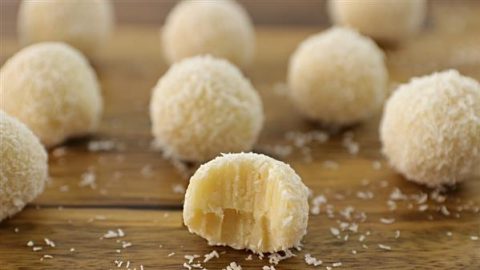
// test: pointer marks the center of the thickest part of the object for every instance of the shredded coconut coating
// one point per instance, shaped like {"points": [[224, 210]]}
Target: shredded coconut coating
{"points": [[247, 201], [430, 129], [85, 25], [53, 90], [23, 166], [202, 107], [338, 77], [384, 20], [219, 28]]}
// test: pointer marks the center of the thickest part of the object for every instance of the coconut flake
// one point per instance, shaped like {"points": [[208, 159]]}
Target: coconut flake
{"points": [[312, 260]]}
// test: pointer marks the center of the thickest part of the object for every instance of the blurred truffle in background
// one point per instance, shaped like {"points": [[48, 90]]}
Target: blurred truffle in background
{"points": [[85, 25], [382, 20], [51, 87], [327, 88], [219, 28]]}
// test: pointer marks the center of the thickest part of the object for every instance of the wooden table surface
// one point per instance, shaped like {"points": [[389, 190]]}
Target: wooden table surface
{"points": [[128, 186]]}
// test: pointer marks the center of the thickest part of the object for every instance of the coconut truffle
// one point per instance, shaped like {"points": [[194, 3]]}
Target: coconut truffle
{"points": [[23, 166], [338, 77], [219, 28], [52, 89], [430, 129], [85, 25], [383, 20], [202, 107], [247, 201]]}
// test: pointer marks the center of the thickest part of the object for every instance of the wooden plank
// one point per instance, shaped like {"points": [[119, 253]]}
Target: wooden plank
{"points": [[155, 234], [134, 187]]}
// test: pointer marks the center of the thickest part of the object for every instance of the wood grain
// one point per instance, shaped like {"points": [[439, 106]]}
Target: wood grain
{"points": [[134, 187]]}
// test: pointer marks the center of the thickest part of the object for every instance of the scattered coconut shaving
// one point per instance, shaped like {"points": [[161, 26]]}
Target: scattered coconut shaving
{"points": [[334, 231], [46, 256], [113, 234], [387, 220], [101, 145], [178, 188], [277, 257], [316, 203], [88, 179], [233, 266], [352, 147], [423, 207], [190, 258], [384, 247], [444, 210], [126, 244], [147, 170], [211, 255], [312, 260], [64, 188], [365, 195], [49, 242], [329, 164], [377, 165]]}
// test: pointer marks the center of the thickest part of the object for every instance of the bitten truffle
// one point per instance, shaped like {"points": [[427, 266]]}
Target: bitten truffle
{"points": [[202, 107], [382, 20], [53, 90], [23, 166], [338, 77], [85, 25], [430, 129], [219, 28], [247, 201]]}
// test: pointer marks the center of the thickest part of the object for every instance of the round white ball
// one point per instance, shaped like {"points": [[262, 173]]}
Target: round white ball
{"points": [[219, 28], [85, 25], [430, 129], [53, 90], [383, 20], [23, 166], [338, 77], [204, 106]]}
